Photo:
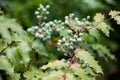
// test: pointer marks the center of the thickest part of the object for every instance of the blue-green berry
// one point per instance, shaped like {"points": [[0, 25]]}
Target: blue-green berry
{"points": [[79, 39], [37, 12]]}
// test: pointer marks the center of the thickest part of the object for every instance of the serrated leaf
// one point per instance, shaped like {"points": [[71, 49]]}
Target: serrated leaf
{"points": [[115, 15], [8, 67], [70, 76], [99, 17], [54, 64], [55, 75], [101, 25], [80, 72], [95, 33], [103, 51], [105, 28], [39, 47], [8, 27], [35, 74], [87, 58], [18, 55]]}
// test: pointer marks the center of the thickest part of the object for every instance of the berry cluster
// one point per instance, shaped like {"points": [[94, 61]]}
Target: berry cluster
{"points": [[71, 24], [77, 22], [45, 30], [69, 44], [42, 11]]}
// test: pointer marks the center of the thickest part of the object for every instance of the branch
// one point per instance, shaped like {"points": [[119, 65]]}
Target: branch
{"points": [[40, 20], [9, 45], [71, 61], [101, 22], [32, 61]]}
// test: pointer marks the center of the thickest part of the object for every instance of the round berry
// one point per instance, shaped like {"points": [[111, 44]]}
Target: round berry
{"points": [[79, 39], [88, 17], [36, 12], [47, 6], [69, 31]]}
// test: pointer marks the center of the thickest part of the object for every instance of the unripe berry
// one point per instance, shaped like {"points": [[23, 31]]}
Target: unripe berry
{"points": [[72, 14], [80, 34], [35, 27], [45, 18], [66, 17], [36, 12], [66, 22], [62, 27], [76, 19], [88, 17], [71, 47], [75, 36], [84, 19], [40, 30], [41, 36], [58, 49], [41, 6], [38, 16], [47, 6], [58, 29], [84, 65], [64, 39], [47, 12], [66, 44], [48, 36], [79, 39], [69, 31], [30, 30], [44, 9], [58, 43], [37, 34], [73, 40]]}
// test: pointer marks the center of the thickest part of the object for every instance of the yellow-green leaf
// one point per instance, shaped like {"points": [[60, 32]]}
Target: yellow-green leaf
{"points": [[55, 64], [99, 17], [87, 58]]}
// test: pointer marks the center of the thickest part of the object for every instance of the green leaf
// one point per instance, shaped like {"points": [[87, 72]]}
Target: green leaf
{"points": [[99, 17], [70, 76], [55, 75], [87, 58], [39, 47], [18, 55], [35, 74], [95, 33], [8, 67], [105, 28], [55, 64], [80, 72], [101, 25], [103, 51], [64, 33], [115, 15], [8, 27]]}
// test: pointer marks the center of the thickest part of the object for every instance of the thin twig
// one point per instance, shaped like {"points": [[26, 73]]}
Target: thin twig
{"points": [[13, 42], [71, 61], [101, 22], [40, 20], [32, 61]]}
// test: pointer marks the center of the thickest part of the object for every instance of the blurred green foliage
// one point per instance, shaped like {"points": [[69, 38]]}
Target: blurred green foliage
{"points": [[23, 10]]}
